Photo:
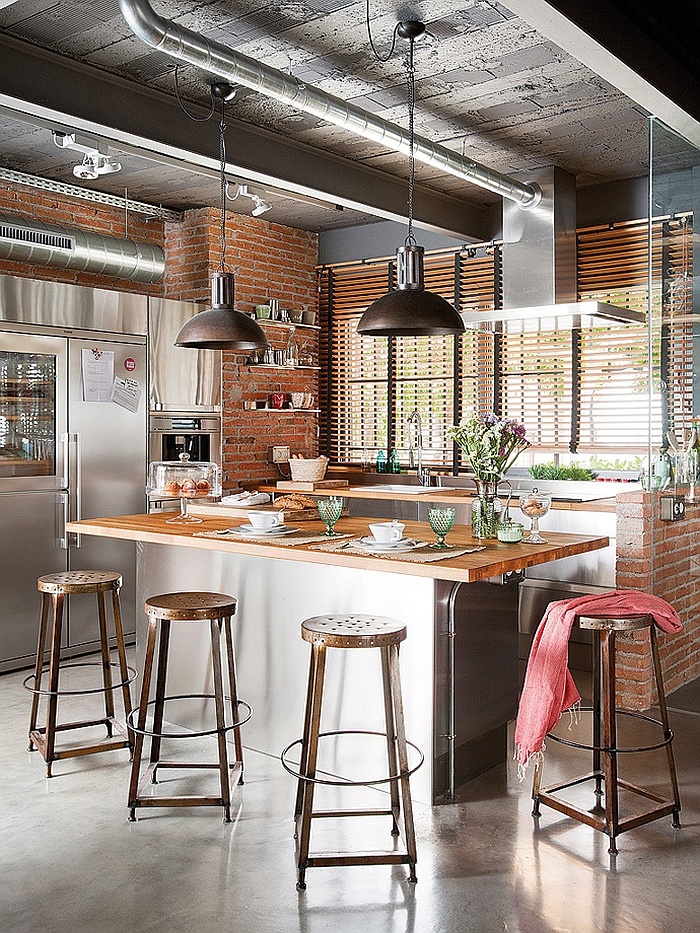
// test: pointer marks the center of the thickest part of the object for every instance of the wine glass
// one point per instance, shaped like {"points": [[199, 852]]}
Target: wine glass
{"points": [[330, 511], [535, 504], [441, 520]]}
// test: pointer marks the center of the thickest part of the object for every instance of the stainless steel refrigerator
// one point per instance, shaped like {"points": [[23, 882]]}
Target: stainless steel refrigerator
{"points": [[73, 442]]}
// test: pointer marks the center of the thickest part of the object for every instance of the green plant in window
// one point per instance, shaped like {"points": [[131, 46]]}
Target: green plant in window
{"points": [[560, 471]]}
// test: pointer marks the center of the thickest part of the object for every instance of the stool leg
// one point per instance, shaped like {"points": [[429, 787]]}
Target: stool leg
{"points": [[315, 701], [597, 718], [390, 725], [612, 808], [38, 667], [661, 692], [141, 722], [233, 690], [106, 668], [403, 760], [215, 628], [536, 784], [123, 667], [158, 706], [304, 755], [58, 601]]}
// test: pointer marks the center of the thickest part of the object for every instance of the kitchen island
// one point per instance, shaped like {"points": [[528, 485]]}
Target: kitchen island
{"points": [[459, 662]]}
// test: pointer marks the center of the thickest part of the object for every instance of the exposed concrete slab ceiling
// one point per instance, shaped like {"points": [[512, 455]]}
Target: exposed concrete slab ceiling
{"points": [[511, 95]]}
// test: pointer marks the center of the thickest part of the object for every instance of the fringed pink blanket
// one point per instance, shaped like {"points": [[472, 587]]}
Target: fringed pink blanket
{"points": [[549, 688]]}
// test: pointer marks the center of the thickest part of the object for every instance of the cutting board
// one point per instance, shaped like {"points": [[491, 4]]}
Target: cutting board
{"points": [[291, 485]]}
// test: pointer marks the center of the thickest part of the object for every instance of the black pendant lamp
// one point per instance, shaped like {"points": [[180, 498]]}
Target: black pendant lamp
{"points": [[221, 327], [410, 310]]}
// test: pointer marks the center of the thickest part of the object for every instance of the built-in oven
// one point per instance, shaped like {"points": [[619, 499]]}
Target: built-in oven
{"points": [[173, 434]]}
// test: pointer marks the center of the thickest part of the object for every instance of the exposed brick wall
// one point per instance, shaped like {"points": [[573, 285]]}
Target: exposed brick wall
{"points": [[661, 558], [269, 261]]}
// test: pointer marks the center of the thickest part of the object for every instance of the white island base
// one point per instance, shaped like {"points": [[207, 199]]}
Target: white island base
{"points": [[458, 669]]}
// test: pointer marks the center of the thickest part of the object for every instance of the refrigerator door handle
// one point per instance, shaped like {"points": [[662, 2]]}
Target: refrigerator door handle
{"points": [[73, 477], [65, 460], [64, 518]]}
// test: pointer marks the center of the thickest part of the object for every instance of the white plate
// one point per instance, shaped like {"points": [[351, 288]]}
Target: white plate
{"points": [[405, 544], [250, 531]]}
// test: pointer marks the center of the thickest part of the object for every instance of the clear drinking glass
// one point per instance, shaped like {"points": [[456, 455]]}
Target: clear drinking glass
{"points": [[535, 504], [441, 520], [329, 511]]}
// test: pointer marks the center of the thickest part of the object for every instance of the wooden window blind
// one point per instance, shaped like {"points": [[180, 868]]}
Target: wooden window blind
{"points": [[580, 390]]}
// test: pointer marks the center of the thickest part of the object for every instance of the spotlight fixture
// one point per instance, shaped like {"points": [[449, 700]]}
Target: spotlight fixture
{"points": [[96, 159], [221, 327], [410, 310], [261, 206]]}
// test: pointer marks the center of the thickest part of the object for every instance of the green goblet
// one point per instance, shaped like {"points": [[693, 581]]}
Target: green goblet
{"points": [[330, 511], [441, 520]]}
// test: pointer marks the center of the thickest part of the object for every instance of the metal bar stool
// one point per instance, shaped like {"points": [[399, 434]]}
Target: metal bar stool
{"points": [[217, 609], [605, 750], [353, 631], [54, 588]]}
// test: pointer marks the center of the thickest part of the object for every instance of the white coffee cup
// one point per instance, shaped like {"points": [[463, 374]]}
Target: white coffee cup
{"points": [[387, 532], [265, 519]]}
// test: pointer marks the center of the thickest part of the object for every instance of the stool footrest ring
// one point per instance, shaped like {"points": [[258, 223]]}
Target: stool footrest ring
{"points": [[133, 674], [133, 725], [293, 767], [668, 738]]}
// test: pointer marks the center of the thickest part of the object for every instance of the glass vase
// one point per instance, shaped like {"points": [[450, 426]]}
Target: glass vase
{"points": [[486, 509]]}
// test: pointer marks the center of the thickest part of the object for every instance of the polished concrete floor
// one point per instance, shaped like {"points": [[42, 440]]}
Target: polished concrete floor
{"points": [[70, 860]]}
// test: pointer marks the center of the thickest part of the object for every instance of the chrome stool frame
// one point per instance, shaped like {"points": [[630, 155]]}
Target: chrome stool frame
{"points": [[54, 588], [604, 747], [217, 609], [353, 631]]}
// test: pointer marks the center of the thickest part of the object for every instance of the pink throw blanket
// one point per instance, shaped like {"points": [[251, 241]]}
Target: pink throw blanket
{"points": [[549, 688]]}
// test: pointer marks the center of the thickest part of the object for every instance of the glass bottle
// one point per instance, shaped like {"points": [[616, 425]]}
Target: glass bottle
{"points": [[393, 465], [292, 352], [381, 461]]}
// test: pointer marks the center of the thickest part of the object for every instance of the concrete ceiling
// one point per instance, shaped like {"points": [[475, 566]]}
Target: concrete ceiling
{"points": [[515, 86]]}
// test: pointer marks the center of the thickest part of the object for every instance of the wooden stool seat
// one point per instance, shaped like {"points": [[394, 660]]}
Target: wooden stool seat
{"points": [[345, 632], [54, 588], [604, 745], [217, 609]]}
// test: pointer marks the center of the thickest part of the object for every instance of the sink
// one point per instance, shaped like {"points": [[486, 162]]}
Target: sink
{"points": [[399, 488]]}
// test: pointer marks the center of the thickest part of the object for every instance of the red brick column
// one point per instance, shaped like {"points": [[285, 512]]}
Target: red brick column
{"points": [[661, 558]]}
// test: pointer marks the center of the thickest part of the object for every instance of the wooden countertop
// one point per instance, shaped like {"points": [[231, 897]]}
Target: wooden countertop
{"points": [[446, 496], [495, 559]]}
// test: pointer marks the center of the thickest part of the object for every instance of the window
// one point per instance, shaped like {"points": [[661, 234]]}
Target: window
{"points": [[580, 390]]}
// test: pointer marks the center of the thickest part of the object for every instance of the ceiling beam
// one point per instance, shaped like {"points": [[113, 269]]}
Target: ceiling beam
{"points": [[46, 89]]}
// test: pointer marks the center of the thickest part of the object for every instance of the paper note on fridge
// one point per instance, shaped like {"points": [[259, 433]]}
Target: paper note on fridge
{"points": [[98, 374], [127, 393]]}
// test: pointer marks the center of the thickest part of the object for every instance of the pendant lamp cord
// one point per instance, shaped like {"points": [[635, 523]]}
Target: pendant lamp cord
{"points": [[411, 84], [222, 164]]}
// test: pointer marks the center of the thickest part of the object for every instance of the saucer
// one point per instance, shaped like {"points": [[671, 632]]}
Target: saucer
{"points": [[250, 531], [404, 544]]}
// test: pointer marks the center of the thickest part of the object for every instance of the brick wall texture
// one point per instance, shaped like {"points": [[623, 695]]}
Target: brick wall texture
{"points": [[269, 261], [658, 557]]}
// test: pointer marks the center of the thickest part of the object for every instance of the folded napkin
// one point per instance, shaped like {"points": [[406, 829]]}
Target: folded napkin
{"points": [[246, 497], [549, 688]]}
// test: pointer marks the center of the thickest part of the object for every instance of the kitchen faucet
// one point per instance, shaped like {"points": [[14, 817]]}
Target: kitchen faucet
{"points": [[415, 450]]}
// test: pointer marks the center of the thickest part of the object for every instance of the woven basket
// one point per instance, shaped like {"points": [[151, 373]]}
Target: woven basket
{"points": [[308, 471]]}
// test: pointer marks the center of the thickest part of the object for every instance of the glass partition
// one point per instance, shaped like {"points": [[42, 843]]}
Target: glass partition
{"points": [[674, 322]]}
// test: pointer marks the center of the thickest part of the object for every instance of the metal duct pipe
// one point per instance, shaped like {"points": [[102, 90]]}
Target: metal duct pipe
{"points": [[186, 46], [23, 240]]}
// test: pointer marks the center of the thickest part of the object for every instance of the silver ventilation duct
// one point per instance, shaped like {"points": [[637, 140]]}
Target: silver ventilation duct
{"points": [[61, 247], [184, 45]]}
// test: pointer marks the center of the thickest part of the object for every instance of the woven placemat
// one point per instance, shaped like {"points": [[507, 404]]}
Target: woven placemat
{"points": [[416, 556], [283, 540]]}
